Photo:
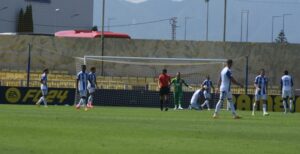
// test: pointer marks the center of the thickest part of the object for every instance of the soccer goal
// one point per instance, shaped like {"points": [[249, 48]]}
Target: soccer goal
{"points": [[140, 73], [192, 69]]}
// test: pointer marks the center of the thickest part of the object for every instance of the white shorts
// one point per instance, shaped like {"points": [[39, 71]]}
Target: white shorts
{"points": [[260, 97], [82, 93], [44, 92], [287, 93], [207, 95], [91, 90], [225, 95]]}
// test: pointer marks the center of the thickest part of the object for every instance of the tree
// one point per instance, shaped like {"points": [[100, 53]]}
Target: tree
{"points": [[94, 28], [26, 25], [281, 38], [20, 25], [28, 19]]}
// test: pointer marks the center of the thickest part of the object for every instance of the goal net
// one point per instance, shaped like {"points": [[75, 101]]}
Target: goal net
{"points": [[132, 74], [193, 70]]}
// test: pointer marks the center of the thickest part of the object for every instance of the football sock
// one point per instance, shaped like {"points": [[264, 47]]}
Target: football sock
{"points": [[40, 100], [45, 101], [228, 105], [167, 103], [254, 107], [218, 106], [161, 104], [80, 102], [264, 108], [206, 103], [291, 105], [84, 102], [284, 105], [179, 104], [90, 100], [232, 107]]}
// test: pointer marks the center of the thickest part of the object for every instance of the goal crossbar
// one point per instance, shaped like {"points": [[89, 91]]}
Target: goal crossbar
{"points": [[154, 58]]}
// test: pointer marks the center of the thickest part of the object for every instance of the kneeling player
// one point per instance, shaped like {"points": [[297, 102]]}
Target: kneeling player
{"points": [[195, 98], [261, 85], [81, 85], [92, 86]]}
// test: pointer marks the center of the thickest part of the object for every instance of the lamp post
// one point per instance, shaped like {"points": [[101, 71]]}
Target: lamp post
{"points": [[283, 21], [185, 26], [56, 11], [272, 35], [108, 23], [207, 17], [225, 20], [247, 26], [102, 37]]}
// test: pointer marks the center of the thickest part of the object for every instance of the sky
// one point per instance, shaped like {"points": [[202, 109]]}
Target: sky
{"points": [[121, 14]]}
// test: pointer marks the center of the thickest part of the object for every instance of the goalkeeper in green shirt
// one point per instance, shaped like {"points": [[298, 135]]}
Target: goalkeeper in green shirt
{"points": [[178, 92]]}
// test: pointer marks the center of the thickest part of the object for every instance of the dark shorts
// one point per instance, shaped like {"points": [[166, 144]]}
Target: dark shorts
{"points": [[164, 91]]}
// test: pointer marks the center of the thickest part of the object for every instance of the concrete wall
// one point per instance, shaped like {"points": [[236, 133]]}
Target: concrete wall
{"points": [[59, 53], [72, 14]]}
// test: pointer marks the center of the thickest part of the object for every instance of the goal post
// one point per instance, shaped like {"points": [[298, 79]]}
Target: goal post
{"points": [[131, 73]]}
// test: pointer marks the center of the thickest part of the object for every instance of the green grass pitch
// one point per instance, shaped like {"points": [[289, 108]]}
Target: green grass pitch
{"points": [[109, 130]]}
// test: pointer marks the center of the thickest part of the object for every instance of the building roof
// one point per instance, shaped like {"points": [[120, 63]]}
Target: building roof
{"points": [[89, 34]]}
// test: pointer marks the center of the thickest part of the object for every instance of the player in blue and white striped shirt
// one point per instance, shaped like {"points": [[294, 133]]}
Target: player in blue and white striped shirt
{"points": [[92, 86], [44, 88], [261, 85], [207, 92], [81, 85], [286, 89]]}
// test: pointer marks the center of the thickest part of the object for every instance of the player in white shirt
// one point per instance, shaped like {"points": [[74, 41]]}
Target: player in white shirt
{"points": [[195, 98], [225, 81], [207, 92], [286, 90], [261, 85], [81, 85], [92, 86], [44, 88]]}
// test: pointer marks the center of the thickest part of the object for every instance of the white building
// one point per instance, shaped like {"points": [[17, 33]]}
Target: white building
{"points": [[48, 15]]}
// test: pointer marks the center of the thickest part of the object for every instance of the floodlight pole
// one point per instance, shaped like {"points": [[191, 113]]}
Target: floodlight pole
{"points": [[283, 21], [55, 26], [247, 26], [225, 21], [102, 37], [207, 18], [246, 74], [185, 26]]}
